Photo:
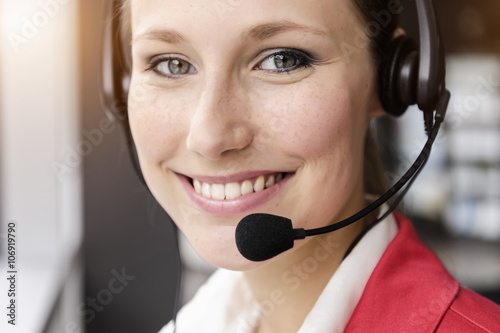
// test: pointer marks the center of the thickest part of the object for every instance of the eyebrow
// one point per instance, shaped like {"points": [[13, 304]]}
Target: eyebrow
{"points": [[259, 32], [164, 35], [268, 30]]}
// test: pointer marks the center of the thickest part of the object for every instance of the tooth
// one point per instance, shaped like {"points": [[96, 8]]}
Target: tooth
{"points": [[246, 187], [259, 184], [218, 192], [205, 190], [233, 191], [279, 177], [270, 181], [197, 186]]}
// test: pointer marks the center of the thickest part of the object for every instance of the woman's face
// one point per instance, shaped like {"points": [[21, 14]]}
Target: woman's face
{"points": [[238, 107]]}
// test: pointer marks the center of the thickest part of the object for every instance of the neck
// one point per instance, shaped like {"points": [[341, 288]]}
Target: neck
{"points": [[287, 287]]}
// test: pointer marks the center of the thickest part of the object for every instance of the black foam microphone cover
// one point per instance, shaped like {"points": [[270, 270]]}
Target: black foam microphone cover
{"points": [[260, 237]]}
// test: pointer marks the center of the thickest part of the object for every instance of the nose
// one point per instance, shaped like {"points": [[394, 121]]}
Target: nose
{"points": [[220, 123]]}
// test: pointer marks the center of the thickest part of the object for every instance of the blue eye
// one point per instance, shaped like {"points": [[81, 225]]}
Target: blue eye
{"points": [[170, 66], [285, 61]]}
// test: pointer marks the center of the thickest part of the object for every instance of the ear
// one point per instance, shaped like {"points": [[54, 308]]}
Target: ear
{"points": [[398, 32], [376, 109]]}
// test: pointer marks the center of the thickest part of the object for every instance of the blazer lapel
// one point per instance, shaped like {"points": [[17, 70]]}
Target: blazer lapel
{"points": [[409, 290]]}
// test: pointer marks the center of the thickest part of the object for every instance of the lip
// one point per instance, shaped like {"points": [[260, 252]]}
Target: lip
{"points": [[239, 206]]}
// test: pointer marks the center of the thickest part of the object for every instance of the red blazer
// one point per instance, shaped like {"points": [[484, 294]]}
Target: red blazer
{"points": [[411, 292]]}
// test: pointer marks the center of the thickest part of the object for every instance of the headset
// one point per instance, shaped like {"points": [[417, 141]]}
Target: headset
{"points": [[412, 73]]}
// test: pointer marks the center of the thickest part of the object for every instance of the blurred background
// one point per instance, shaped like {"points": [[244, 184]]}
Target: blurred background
{"points": [[95, 251]]}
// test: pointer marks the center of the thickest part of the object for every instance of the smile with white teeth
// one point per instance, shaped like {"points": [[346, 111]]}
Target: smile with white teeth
{"points": [[236, 189]]}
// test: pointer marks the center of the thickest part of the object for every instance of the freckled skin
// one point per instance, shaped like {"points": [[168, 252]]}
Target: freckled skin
{"points": [[229, 117]]}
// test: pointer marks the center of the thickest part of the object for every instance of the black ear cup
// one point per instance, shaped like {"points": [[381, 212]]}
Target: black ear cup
{"points": [[398, 76]]}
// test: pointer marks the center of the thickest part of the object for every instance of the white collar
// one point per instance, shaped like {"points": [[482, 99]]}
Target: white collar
{"points": [[224, 303]]}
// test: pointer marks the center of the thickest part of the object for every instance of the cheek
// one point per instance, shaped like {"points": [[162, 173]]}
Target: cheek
{"points": [[154, 121], [316, 123], [323, 128]]}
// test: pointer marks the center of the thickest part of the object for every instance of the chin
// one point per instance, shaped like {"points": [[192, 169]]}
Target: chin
{"points": [[225, 258], [216, 245]]}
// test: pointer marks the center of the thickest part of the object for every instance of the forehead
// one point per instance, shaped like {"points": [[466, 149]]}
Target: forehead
{"points": [[232, 18]]}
